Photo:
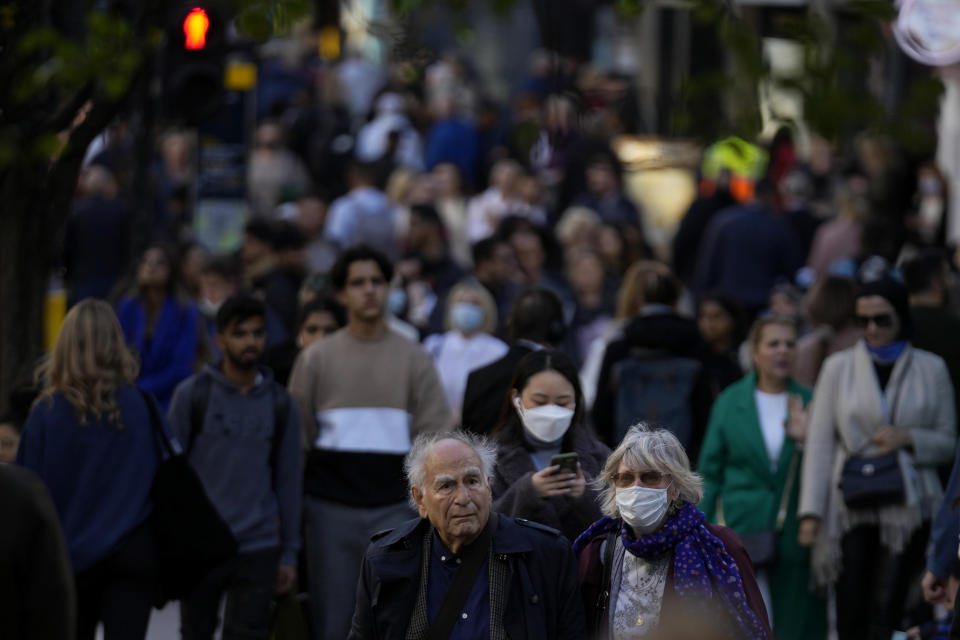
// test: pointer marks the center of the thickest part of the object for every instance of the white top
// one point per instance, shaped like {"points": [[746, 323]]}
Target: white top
{"points": [[456, 356], [772, 411], [486, 210], [590, 372], [640, 597]]}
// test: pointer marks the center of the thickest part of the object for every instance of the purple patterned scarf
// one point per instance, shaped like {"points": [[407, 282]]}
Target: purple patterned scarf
{"points": [[701, 564]]}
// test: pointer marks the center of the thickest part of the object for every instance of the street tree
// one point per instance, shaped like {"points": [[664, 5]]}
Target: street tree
{"points": [[67, 69]]}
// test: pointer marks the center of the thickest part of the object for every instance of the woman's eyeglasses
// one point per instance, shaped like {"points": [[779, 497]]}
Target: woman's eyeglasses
{"points": [[647, 478], [881, 320]]}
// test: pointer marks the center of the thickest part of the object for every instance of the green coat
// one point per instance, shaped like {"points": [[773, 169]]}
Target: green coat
{"points": [[738, 482]]}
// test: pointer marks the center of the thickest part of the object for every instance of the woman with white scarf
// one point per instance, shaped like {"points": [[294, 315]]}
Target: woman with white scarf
{"points": [[881, 397]]}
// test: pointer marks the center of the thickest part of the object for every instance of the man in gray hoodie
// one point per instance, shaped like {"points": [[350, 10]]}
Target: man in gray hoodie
{"points": [[241, 433]]}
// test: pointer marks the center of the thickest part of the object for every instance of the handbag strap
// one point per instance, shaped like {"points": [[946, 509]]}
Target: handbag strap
{"points": [[787, 490], [463, 581], [603, 599], [155, 426], [892, 407]]}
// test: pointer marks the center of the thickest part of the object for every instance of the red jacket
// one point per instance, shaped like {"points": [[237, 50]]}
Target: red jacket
{"points": [[672, 611]]}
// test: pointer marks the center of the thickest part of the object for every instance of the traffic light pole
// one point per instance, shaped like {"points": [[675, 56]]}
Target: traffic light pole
{"points": [[144, 143]]}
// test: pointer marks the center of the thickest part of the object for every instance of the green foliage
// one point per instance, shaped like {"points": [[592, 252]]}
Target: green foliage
{"points": [[261, 19], [837, 59], [109, 56], [404, 8], [628, 8], [47, 71]]}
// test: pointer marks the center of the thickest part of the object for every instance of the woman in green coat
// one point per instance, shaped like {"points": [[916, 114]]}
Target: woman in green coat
{"points": [[751, 450]]}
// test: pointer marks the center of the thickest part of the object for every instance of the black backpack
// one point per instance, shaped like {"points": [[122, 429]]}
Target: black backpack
{"points": [[656, 387], [192, 538]]}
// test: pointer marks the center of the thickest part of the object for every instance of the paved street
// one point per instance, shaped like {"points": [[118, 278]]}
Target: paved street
{"points": [[164, 624]]}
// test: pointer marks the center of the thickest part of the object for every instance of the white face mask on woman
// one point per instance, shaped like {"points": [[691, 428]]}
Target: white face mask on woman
{"points": [[642, 508], [547, 423]]}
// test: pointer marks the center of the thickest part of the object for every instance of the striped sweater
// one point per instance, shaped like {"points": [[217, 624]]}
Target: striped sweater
{"points": [[362, 402]]}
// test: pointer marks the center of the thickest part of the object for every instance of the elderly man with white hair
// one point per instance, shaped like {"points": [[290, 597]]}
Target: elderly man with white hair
{"points": [[460, 571]]}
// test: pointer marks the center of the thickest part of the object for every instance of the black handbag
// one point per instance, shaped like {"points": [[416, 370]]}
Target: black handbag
{"points": [[192, 538], [875, 481], [761, 546], [871, 482]]}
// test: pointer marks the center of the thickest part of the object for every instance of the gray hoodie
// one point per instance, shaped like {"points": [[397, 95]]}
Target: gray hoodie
{"points": [[232, 457]]}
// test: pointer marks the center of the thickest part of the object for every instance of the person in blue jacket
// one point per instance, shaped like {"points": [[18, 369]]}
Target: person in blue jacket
{"points": [[161, 326], [89, 438], [944, 547]]}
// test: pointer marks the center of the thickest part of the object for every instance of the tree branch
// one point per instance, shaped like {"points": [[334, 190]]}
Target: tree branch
{"points": [[64, 116], [62, 175]]}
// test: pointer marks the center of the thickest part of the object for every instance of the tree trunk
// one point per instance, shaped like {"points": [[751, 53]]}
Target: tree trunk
{"points": [[35, 200], [26, 239]]}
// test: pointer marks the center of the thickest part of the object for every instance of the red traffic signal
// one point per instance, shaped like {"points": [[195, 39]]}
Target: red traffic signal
{"points": [[195, 27]]}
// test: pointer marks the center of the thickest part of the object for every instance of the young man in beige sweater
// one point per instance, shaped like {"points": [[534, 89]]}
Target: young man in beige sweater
{"points": [[364, 393]]}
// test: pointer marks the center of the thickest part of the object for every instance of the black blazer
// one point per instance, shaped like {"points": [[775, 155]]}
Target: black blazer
{"points": [[486, 389]]}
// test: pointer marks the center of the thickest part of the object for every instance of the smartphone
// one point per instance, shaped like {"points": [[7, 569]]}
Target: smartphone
{"points": [[567, 462]]}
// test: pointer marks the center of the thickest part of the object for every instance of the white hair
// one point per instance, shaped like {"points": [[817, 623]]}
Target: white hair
{"points": [[645, 448], [414, 461]]}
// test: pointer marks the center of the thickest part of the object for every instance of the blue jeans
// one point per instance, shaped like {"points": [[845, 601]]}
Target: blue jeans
{"points": [[248, 581]]}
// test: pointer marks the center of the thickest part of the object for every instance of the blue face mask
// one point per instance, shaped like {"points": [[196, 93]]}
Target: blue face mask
{"points": [[396, 301], [467, 316]]}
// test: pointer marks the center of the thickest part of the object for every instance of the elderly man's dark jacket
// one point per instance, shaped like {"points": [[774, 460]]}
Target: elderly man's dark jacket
{"points": [[542, 593]]}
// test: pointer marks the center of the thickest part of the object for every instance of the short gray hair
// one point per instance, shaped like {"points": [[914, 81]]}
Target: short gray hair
{"points": [[413, 463], [646, 448]]}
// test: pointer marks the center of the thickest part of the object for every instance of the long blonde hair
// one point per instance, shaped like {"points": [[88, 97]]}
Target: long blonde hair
{"points": [[89, 361]]}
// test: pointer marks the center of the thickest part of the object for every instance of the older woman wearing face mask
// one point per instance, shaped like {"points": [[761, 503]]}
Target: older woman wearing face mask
{"points": [[467, 343], [546, 453], [883, 418], [652, 566]]}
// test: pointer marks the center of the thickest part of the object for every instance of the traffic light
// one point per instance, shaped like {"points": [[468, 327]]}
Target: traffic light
{"points": [[195, 27], [193, 64]]}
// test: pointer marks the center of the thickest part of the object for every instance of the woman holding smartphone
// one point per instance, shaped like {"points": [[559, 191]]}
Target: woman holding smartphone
{"points": [[547, 454]]}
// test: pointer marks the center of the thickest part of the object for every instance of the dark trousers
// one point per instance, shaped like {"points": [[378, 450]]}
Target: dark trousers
{"points": [[248, 581], [875, 586], [119, 591], [955, 624]]}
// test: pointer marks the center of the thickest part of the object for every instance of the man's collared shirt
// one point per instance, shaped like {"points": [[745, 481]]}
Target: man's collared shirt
{"points": [[473, 621]]}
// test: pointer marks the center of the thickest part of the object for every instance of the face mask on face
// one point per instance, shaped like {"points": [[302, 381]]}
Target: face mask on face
{"points": [[930, 186], [544, 424], [642, 508], [208, 308], [467, 316]]}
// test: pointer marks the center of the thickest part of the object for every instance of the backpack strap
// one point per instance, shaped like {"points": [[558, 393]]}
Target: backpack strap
{"points": [[199, 398], [281, 415]]}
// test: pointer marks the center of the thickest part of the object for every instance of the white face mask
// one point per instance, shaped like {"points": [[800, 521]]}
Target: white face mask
{"points": [[208, 308], [547, 423], [642, 508]]}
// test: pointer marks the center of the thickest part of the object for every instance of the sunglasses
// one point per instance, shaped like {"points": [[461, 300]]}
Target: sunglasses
{"points": [[647, 478], [881, 320]]}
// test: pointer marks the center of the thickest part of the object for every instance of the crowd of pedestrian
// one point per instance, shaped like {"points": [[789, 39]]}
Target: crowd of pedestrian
{"points": [[447, 387]]}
